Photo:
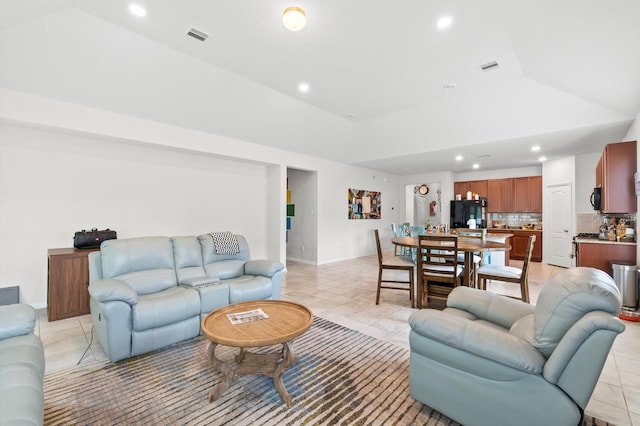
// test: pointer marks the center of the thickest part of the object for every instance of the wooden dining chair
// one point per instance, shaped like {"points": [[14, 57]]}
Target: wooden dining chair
{"points": [[509, 273], [394, 233], [479, 234], [394, 263], [438, 268], [415, 231]]}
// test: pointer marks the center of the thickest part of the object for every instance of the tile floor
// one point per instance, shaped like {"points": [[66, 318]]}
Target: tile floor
{"points": [[344, 292]]}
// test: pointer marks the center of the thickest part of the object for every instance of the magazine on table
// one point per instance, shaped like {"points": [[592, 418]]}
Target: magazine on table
{"points": [[247, 316]]}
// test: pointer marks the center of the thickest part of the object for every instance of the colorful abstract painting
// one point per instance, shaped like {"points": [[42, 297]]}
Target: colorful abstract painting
{"points": [[364, 204]]}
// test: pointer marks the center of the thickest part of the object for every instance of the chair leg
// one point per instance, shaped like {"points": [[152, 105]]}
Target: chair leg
{"points": [[379, 286], [411, 290], [425, 298], [482, 284], [524, 288]]}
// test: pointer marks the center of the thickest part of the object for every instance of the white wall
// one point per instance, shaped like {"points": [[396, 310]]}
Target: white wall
{"points": [[585, 181], [498, 174], [634, 135], [53, 184], [634, 131], [65, 167]]}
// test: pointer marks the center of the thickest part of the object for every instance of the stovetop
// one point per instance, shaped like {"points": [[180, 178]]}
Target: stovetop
{"points": [[587, 235]]}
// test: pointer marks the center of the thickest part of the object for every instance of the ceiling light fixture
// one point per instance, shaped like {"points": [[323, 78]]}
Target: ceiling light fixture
{"points": [[458, 157], [303, 87], [541, 159], [535, 148], [137, 10], [476, 166], [444, 22], [294, 18]]}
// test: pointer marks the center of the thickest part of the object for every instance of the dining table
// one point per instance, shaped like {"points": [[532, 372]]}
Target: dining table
{"points": [[467, 245]]}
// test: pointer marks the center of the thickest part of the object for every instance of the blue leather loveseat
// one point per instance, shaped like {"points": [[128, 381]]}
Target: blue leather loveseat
{"points": [[150, 292]]}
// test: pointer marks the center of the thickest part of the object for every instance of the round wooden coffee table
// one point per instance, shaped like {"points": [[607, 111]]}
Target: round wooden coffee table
{"points": [[287, 320]]}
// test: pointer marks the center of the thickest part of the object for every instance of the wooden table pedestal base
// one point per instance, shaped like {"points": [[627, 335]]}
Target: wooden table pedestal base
{"points": [[267, 364]]}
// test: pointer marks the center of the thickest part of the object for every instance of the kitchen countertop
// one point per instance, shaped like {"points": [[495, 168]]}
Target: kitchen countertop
{"points": [[598, 241], [513, 229]]}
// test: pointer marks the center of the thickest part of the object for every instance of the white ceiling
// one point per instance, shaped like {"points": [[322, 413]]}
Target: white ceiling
{"points": [[568, 80]]}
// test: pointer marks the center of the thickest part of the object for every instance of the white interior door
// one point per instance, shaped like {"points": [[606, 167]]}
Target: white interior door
{"points": [[558, 218]]}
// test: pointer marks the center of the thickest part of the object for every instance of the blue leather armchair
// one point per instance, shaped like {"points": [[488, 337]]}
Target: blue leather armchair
{"points": [[488, 360]]}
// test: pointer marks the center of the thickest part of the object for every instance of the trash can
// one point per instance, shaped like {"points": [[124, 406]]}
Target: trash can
{"points": [[625, 276]]}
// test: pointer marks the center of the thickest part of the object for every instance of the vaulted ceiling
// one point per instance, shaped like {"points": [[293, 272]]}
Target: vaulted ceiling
{"points": [[568, 74]]}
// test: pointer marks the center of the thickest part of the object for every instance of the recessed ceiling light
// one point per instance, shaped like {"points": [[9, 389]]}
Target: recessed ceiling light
{"points": [[444, 22], [459, 157], [137, 10], [476, 166], [303, 87], [535, 148], [542, 159]]}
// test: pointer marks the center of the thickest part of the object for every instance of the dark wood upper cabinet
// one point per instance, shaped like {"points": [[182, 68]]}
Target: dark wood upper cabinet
{"points": [[479, 187], [461, 188], [535, 194], [521, 195], [615, 175], [476, 186], [527, 194], [493, 196], [500, 195], [506, 195]]}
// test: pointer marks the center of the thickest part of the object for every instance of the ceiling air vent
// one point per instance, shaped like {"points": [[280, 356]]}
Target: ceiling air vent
{"points": [[197, 34], [489, 66]]}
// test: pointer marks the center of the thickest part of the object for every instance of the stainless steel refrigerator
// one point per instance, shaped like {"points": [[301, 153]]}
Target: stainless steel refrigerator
{"points": [[464, 210]]}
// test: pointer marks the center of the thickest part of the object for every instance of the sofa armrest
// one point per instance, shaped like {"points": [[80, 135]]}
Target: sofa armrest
{"points": [[478, 339], [112, 290], [576, 337], [488, 306], [266, 268], [16, 320]]}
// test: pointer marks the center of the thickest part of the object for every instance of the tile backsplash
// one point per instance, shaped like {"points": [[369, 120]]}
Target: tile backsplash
{"points": [[590, 222], [516, 219]]}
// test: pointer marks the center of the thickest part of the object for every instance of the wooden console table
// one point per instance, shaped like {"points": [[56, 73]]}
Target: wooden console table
{"points": [[68, 283]]}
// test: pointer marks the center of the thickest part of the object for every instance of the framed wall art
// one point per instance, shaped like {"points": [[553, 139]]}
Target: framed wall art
{"points": [[364, 204]]}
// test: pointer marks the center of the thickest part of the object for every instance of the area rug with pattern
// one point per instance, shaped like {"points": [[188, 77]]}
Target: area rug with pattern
{"points": [[341, 376]]}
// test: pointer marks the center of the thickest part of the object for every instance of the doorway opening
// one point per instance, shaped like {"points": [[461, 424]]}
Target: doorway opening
{"points": [[302, 221], [424, 204]]}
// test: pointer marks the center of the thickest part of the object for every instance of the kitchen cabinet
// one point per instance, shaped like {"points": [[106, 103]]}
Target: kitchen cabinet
{"points": [[461, 188], [521, 195], [476, 186], [527, 194], [535, 194], [479, 187], [508, 195], [500, 195], [615, 175], [68, 283], [518, 242], [600, 255]]}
